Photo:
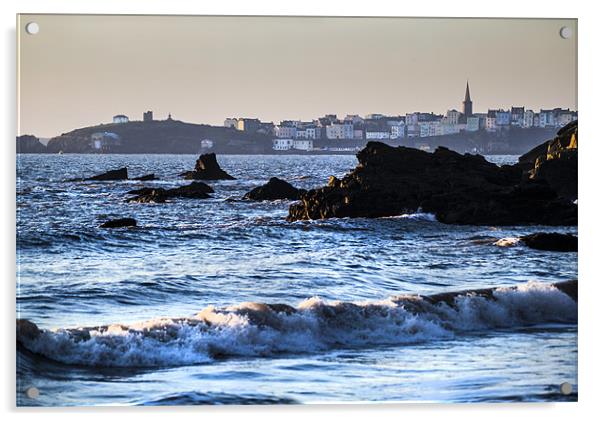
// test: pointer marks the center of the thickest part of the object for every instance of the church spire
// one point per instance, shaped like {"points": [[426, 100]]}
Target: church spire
{"points": [[467, 102]]}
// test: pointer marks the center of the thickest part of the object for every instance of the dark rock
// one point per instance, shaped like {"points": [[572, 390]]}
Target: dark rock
{"points": [[555, 162], [158, 195], [147, 177], [142, 191], [30, 144], [120, 174], [458, 189], [207, 168], [551, 241], [119, 223], [195, 190], [27, 330], [275, 189]]}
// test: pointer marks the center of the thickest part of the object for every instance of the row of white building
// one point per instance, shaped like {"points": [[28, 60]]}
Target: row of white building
{"points": [[412, 125]]}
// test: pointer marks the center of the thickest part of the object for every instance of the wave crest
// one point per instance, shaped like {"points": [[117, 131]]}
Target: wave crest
{"points": [[256, 329]]}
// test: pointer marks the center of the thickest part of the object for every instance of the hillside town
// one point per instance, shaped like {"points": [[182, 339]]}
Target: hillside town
{"points": [[301, 135], [498, 131]]}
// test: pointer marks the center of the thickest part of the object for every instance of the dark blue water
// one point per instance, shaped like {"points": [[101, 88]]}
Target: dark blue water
{"points": [[211, 256]]}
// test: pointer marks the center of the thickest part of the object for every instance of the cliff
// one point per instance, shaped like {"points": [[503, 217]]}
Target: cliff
{"points": [[30, 144]]}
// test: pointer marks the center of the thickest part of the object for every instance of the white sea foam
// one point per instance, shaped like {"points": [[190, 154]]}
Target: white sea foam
{"points": [[422, 216], [253, 329], [507, 242]]}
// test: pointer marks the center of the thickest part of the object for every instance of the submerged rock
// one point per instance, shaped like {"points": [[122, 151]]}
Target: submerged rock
{"points": [[207, 168], [274, 189], [113, 175], [120, 174], [457, 189], [195, 190], [552, 241], [119, 223]]}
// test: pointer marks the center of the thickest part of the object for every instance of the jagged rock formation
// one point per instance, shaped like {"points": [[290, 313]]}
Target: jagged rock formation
{"points": [[274, 189], [555, 162], [195, 190], [207, 168], [458, 189]]}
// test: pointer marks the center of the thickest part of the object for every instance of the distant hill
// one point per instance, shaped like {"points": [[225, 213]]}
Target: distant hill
{"points": [[165, 136], [30, 144]]}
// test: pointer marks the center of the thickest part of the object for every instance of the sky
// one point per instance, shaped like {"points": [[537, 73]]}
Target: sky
{"points": [[80, 70]]}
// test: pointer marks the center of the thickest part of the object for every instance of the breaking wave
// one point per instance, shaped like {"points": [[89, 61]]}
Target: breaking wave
{"points": [[259, 330]]}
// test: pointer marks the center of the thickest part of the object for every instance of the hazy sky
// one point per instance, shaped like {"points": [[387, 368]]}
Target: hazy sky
{"points": [[81, 70]]}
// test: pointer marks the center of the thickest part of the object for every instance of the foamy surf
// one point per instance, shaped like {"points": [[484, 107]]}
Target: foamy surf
{"points": [[420, 216], [507, 242], [260, 330]]}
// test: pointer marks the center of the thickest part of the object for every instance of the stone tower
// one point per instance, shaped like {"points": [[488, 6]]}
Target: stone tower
{"points": [[467, 102]]}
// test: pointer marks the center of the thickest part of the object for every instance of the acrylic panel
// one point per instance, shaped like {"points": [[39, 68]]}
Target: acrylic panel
{"points": [[277, 210]]}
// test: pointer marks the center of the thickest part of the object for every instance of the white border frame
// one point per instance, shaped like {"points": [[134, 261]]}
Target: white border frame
{"points": [[590, 70]]}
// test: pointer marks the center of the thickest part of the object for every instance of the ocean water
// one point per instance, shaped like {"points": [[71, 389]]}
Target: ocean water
{"points": [[178, 296]]}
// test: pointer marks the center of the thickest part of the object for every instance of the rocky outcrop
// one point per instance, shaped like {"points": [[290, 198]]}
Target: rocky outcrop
{"points": [[552, 241], [113, 175], [555, 162], [119, 223], [195, 190], [207, 168], [30, 144], [158, 195], [274, 189], [458, 189]]}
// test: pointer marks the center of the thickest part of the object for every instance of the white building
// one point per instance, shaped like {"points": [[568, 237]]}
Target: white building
{"points": [[547, 118], [309, 132], [372, 134], [452, 117], [282, 144], [528, 119], [340, 130], [206, 144], [286, 131], [303, 144], [398, 130], [430, 128], [120, 118], [231, 122], [104, 140], [472, 124], [565, 117]]}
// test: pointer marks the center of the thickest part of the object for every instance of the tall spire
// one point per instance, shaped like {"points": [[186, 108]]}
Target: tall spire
{"points": [[467, 104]]}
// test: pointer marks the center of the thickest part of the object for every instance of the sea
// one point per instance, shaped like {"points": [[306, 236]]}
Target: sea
{"points": [[171, 312]]}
